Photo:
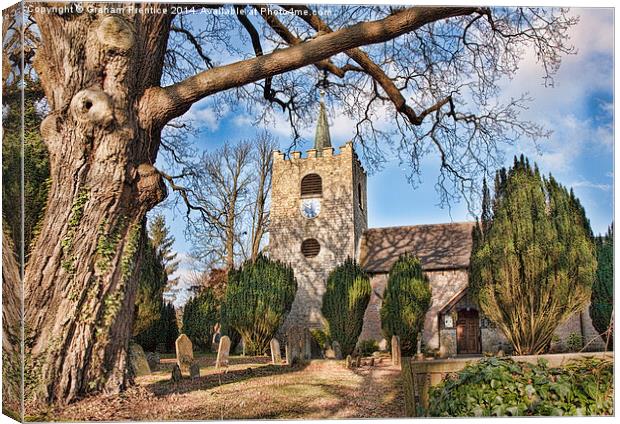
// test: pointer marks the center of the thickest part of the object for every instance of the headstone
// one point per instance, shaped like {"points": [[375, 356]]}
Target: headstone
{"points": [[185, 352], [337, 350], [329, 352], [223, 352], [138, 360], [419, 344], [395, 350], [276, 356], [349, 362], [153, 359], [307, 344], [194, 370], [358, 362], [176, 373], [289, 356], [372, 361]]}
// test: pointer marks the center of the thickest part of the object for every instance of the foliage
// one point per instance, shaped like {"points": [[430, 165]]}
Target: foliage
{"points": [[320, 337], [602, 299], [259, 295], [200, 315], [534, 265], [162, 242], [367, 347], [152, 281], [344, 303], [574, 342], [36, 163], [162, 334], [406, 300], [500, 387]]}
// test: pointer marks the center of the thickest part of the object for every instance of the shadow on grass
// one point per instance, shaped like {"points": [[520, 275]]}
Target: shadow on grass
{"points": [[220, 378]]}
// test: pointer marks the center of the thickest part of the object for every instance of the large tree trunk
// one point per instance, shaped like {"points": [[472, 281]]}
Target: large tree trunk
{"points": [[80, 282]]}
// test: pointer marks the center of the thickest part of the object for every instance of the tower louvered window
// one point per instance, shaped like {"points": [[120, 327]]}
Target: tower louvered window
{"points": [[311, 185], [310, 248]]}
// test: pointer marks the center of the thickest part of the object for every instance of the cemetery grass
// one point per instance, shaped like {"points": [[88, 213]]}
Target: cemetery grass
{"points": [[250, 388]]}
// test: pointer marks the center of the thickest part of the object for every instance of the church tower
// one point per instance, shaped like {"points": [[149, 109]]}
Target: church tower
{"points": [[317, 218]]}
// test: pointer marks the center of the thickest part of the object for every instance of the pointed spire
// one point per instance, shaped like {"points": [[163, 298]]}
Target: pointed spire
{"points": [[321, 137]]}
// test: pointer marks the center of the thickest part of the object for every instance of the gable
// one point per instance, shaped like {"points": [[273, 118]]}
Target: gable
{"points": [[439, 246]]}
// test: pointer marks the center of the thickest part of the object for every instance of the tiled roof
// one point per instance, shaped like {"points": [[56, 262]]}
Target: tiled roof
{"points": [[439, 246]]}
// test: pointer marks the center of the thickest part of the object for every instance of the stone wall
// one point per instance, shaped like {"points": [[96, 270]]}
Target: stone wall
{"points": [[445, 284], [337, 228]]}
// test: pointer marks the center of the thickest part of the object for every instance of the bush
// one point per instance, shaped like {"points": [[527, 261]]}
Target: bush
{"points": [[574, 342], [344, 303], [160, 335], [259, 295], [405, 303], [502, 387], [367, 347], [199, 318], [532, 262]]}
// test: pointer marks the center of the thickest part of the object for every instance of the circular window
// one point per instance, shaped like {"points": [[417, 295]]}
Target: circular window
{"points": [[310, 248]]}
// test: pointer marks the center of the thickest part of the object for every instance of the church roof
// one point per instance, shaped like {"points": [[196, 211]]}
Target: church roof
{"points": [[321, 137], [439, 246]]}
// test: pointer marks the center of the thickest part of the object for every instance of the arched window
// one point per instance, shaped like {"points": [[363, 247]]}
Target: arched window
{"points": [[311, 185], [310, 248]]}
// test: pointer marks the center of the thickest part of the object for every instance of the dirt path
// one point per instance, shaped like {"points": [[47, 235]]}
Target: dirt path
{"points": [[252, 388]]}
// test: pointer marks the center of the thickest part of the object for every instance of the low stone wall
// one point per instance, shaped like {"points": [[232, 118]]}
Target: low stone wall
{"points": [[419, 376]]}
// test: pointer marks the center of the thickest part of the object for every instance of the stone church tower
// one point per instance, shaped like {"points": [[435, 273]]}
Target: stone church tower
{"points": [[317, 218]]}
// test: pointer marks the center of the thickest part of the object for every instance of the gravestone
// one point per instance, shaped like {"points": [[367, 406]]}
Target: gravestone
{"points": [[287, 353], [372, 361], [222, 352], [337, 350], [395, 351], [185, 353], [276, 356], [138, 360], [176, 373], [329, 352], [194, 370], [348, 361], [153, 359], [358, 362]]}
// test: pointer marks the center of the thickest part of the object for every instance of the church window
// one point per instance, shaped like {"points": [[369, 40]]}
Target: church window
{"points": [[311, 185], [310, 248]]}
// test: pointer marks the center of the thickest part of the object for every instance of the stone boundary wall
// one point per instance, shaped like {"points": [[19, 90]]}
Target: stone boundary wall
{"points": [[419, 376]]}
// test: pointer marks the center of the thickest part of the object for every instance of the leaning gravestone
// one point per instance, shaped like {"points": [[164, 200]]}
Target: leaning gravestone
{"points": [[337, 350], [185, 352], [176, 373], [358, 362], [276, 356], [223, 352], [194, 370], [138, 360], [395, 350]]}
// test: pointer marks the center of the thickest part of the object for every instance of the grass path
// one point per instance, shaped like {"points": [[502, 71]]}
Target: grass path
{"points": [[252, 388]]}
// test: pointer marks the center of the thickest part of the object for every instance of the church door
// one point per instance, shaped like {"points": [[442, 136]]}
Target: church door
{"points": [[468, 332]]}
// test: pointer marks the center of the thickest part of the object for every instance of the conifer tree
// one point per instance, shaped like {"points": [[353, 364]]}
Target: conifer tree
{"points": [[534, 267], [162, 242], [344, 303], [602, 300], [406, 301], [200, 315], [259, 295]]}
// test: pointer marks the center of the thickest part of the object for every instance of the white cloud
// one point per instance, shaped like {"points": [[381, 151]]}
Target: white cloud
{"points": [[590, 184], [205, 116]]}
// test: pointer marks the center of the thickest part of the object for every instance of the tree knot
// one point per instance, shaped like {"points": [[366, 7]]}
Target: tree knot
{"points": [[116, 34], [92, 106]]}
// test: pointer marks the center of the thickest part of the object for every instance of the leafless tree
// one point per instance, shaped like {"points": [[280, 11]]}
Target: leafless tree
{"points": [[434, 72]]}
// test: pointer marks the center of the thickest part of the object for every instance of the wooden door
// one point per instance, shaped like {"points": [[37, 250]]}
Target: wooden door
{"points": [[468, 332]]}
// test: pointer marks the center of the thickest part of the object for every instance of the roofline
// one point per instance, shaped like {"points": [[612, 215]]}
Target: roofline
{"points": [[421, 225], [441, 268]]}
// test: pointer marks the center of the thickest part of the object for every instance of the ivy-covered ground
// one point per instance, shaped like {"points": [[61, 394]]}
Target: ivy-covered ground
{"points": [[251, 388]]}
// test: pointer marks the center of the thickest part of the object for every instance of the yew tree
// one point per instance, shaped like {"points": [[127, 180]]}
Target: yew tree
{"points": [[115, 82]]}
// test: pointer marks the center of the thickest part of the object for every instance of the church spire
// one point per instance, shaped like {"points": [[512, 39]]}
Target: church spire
{"points": [[321, 137]]}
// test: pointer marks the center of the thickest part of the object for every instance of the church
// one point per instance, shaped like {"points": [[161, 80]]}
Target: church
{"points": [[319, 217]]}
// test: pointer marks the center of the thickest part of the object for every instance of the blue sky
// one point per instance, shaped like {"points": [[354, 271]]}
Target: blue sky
{"points": [[579, 109]]}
